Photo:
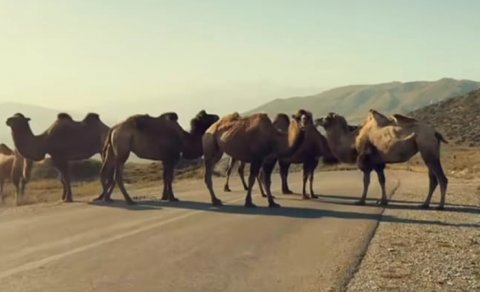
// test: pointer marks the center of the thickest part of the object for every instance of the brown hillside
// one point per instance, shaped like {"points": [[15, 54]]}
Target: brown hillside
{"points": [[457, 118]]}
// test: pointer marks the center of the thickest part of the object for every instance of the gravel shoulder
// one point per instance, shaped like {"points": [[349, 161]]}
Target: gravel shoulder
{"points": [[416, 250]]}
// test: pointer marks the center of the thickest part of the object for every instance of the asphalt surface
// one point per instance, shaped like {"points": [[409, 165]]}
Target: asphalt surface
{"points": [[306, 245]]}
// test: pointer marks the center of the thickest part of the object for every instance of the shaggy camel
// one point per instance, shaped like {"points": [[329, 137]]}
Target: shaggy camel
{"points": [[252, 139], [15, 168], [65, 140], [160, 138], [281, 122], [314, 146], [382, 140]]}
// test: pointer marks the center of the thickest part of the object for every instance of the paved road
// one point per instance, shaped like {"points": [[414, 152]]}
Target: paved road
{"points": [[190, 246]]}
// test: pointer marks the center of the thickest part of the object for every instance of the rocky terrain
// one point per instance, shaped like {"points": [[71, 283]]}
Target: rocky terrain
{"points": [[457, 118]]}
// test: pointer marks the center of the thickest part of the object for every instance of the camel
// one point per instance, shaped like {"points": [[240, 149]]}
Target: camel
{"points": [[65, 140], [314, 146], [281, 122], [252, 139], [15, 168], [155, 138], [381, 140]]}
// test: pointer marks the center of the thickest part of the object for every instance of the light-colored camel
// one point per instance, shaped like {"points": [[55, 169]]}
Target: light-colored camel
{"points": [[383, 140], [15, 168], [65, 140], [252, 139], [281, 122], [155, 138]]}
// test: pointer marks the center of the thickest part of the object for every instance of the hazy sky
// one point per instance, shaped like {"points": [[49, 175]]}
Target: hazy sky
{"points": [[171, 54]]}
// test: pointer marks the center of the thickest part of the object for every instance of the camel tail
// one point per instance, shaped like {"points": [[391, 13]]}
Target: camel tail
{"points": [[440, 138]]}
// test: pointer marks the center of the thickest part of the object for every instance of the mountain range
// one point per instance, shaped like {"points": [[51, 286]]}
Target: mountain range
{"points": [[354, 101]]}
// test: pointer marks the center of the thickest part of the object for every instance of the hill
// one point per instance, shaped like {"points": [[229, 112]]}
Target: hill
{"points": [[457, 118], [355, 100]]}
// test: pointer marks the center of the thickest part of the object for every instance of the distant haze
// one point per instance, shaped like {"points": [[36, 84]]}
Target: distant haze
{"points": [[124, 57]]}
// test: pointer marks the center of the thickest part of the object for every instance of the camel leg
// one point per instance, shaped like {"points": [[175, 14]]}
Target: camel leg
{"points": [[436, 168], [366, 183], [121, 185], [63, 168], [260, 180], [168, 174], [433, 183], [107, 179], [231, 165], [267, 170], [210, 160], [312, 172], [284, 167], [380, 170], [254, 169], [241, 173], [306, 174]]}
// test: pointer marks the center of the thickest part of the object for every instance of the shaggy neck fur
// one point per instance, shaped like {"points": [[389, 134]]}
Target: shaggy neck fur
{"points": [[287, 144]]}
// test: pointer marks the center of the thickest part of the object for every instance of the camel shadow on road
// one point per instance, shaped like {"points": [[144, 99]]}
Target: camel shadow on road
{"points": [[284, 211]]}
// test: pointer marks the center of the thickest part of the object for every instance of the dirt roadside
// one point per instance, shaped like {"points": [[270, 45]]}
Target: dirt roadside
{"points": [[425, 250]]}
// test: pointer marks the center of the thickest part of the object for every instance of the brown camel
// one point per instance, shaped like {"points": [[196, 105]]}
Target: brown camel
{"points": [[65, 140], [281, 122], [15, 168], [155, 138], [314, 146], [252, 139], [382, 140]]}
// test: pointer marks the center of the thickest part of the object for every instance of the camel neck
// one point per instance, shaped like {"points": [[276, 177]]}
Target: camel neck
{"points": [[29, 145], [192, 145], [342, 144], [288, 143]]}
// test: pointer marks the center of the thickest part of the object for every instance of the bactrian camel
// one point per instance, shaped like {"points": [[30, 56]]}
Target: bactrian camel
{"points": [[314, 146], [65, 140], [281, 122], [381, 140], [254, 140], [15, 168], [155, 138]]}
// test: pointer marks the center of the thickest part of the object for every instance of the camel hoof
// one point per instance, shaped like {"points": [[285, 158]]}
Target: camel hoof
{"points": [[314, 196], [217, 202], [131, 202], [164, 198], [250, 205], [98, 199], [360, 203], [273, 205], [440, 208], [424, 206], [304, 197], [383, 202], [227, 189], [68, 200], [108, 200], [263, 195], [173, 199], [287, 192]]}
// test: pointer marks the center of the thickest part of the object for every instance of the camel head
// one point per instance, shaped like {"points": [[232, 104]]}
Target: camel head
{"points": [[17, 121], [303, 118], [202, 121], [333, 121], [281, 122]]}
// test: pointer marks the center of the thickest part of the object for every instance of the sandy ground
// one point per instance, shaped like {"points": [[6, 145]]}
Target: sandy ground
{"points": [[425, 250]]}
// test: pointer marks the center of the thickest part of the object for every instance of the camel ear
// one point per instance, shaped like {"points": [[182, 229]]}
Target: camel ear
{"points": [[28, 119], [202, 113]]}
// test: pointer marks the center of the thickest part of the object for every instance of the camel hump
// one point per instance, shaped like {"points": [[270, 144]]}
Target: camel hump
{"points": [[381, 119], [231, 117], [401, 119], [91, 117], [172, 116], [64, 116], [142, 121], [4, 149], [353, 128]]}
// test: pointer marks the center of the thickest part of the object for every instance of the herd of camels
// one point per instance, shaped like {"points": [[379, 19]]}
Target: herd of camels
{"points": [[254, 139]]}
